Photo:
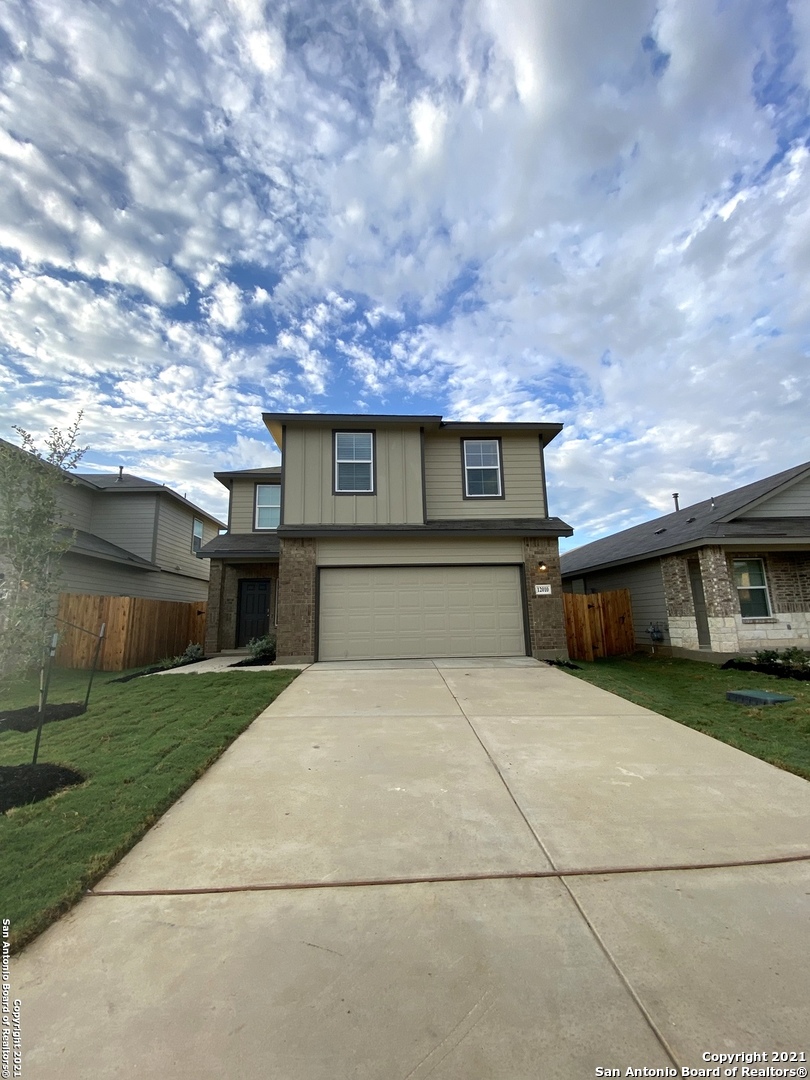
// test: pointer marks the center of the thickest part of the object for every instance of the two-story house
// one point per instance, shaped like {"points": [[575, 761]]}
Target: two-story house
{"points": [[391, 537], [133, 537]]}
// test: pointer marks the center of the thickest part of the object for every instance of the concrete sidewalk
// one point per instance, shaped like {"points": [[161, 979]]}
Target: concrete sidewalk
{"points": [[420, 859]]}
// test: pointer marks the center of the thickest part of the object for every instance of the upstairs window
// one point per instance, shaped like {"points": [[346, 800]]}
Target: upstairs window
{"points": [[196, 534], [752, 589], [354, 462], [483, 477], [268, 506]]}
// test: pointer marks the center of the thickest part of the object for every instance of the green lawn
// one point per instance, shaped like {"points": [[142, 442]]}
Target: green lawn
{"points": [[141, 744], [694, 694]]}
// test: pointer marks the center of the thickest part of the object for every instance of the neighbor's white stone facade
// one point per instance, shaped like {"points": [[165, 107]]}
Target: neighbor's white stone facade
{"points": [[780, 632]]}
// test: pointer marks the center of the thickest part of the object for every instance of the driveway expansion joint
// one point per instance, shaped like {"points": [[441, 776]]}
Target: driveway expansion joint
{"points": [[440, 879]]}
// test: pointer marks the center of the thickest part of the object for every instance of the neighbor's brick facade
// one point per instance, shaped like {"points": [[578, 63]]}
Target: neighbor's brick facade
{"points": [[546, 615], [718, 585], [223, 600], [296, 601], [788, 576], [677, 588]]}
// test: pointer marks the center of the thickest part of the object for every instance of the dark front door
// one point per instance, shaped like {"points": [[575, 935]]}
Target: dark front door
{"points": [[254, 610]]}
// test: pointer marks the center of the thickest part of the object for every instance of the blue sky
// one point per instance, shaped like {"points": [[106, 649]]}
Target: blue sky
{"points": [[590, 213]]}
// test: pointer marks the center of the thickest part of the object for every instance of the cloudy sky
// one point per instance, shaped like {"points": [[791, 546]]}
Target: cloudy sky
{"points": [[587, 212]]}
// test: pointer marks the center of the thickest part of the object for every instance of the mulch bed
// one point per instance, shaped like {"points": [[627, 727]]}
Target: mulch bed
{"points": [[260, 661], [27, 719], [781, 671], [21, 785], [154, 671]]}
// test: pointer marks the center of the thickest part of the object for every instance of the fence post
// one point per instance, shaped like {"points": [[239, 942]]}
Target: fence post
{"points": [[99, 643]]}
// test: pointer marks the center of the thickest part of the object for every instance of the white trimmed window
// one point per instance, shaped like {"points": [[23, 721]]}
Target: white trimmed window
{"points": [[196, 534], [268, 506], [354, 462], [752, 589], [482, 468]]}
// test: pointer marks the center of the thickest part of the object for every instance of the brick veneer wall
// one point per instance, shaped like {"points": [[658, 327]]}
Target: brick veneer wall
{"points": [[296, 601], [677, 587], [223, 600], [546, 615], [718, 585], [788, 576]]}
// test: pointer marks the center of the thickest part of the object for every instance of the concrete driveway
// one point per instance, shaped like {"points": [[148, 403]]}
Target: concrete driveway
{"points": [[464, 870]]}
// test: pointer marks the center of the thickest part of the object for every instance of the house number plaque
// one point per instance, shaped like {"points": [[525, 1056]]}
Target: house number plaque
{"points": [[542, 590]]}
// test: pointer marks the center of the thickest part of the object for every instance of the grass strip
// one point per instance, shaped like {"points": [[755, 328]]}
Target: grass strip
{"points": [[694, 694], [141, 745]]}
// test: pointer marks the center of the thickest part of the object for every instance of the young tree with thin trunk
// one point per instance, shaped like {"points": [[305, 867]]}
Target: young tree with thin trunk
{"points": [[32, 541]]}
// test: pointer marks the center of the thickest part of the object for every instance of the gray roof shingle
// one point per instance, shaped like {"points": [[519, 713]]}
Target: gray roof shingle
{"points": [[707, 520]]}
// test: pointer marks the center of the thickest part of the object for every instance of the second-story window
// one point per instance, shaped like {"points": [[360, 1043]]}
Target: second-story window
{"points": [[196, 535], [482, 468], [354, 462], [268, 506]]}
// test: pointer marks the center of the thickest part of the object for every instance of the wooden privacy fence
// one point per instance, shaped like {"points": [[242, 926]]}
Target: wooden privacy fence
{"points": [[138, 631], [598, 624]]}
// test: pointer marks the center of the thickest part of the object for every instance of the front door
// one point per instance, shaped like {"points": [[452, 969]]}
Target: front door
{"points": [[253, 620]]}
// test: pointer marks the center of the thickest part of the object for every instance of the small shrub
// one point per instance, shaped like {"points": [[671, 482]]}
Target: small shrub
{"points": [[193, 653], [262, 648], [767, 656]]}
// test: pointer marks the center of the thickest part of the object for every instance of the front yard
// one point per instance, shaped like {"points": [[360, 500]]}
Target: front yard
{"points": [[141, 744], [694, 694]]}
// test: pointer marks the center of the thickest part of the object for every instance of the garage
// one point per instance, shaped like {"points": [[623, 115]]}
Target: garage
{"points": [[394, 612]]}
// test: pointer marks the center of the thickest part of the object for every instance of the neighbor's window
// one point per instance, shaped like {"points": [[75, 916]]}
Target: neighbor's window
{"points": [[268, 506], [482, 468], [196, 535], [354, 462], [749, 577]]}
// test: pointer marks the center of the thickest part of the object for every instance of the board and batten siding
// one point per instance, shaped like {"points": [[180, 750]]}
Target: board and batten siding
{"points": [[402, 551], [646, 587], [76, 507], [308, 479], [522, 480], [98, 577], [793, 502], [173, 550], [243, 496], [128, 521]]}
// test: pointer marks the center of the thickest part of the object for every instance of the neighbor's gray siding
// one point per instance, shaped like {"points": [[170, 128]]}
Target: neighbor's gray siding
{"points": [[173, 548], [128, 521], [646, 587], [76, 507], [98, 577], [522, 473], [794, 502]]}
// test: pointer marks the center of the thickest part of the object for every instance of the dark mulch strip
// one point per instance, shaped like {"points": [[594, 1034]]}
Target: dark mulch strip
{"points": [[27, 719], [781, 671], [24, 784], [564, 664], [259, 661]]}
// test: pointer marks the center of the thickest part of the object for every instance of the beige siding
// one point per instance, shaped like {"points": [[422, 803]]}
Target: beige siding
{"points": [[242, 506], [646, 587], [393, 612], [100, 578], [76, 507], [793, 502], [128, 521], [402, 552], [308, 478], [522, 475], [173, 547]]}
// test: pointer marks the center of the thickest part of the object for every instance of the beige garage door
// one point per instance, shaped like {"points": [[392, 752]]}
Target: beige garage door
{"points": [[386, 612]]}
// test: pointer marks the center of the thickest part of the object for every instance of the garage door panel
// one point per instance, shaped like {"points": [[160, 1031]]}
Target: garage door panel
{"points": [[416, 611]]}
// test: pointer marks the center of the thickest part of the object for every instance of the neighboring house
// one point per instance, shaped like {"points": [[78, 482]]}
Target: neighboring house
{"points": [[133, 537], [391, 537], [730, 574]]}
